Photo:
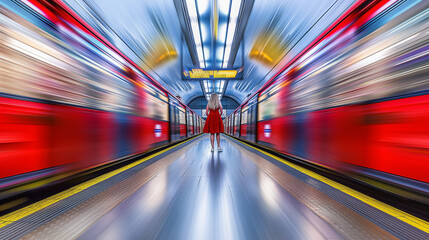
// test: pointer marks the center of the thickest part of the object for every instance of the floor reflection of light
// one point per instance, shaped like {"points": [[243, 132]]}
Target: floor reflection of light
{"points": [[202, 224], [308, 229], [113, 231], [156, 191], [269, 190], [226, 219], [152, 194]]}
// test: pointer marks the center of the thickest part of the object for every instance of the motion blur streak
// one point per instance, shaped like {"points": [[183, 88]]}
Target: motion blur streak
{"points": [[355, 100], [69, 101]]}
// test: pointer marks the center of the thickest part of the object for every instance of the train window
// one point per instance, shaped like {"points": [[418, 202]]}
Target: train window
{"points": [[123, 95], [189, 118], [182, 115], [244, 115], [37, 64], [273, 101], [389, 61], [32, 64], [237, 118], [155, 102], [305, 93]]}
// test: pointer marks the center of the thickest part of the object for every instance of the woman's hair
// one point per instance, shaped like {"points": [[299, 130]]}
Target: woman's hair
{"points": [[214, 101]]}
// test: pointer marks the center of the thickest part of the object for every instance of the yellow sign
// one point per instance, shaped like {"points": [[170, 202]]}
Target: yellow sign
{"points": [[204, 73], [200, 73]]}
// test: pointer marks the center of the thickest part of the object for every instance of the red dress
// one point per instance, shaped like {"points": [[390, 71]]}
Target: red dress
{"points": [[214, 122]]}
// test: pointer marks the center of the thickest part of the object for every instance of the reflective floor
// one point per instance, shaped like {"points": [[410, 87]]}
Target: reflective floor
{"points": [[205, 195], [189, 192]]}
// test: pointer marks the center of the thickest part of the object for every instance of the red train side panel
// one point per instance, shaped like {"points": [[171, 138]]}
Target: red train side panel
{"points": [[25, 136], [400, 137], [276, 133]]}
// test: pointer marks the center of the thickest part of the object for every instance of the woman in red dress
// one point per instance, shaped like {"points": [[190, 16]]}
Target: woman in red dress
{"points": [[214, 124]]}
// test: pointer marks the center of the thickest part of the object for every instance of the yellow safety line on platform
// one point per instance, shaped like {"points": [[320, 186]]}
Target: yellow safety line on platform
{"points": [[401, 215], [23, 212]]}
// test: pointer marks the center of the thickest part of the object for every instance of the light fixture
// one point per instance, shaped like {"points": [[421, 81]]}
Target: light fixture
{"points": [[224, 6], [233, 18], [206, 86], [210, 84], [205, 34], [203, 6], [219, 55], [207, 53], [193, 17], [222, 33], [221, 88]]}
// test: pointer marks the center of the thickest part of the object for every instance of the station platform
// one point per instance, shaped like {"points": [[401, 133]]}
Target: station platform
{"points": [[188, 192]]}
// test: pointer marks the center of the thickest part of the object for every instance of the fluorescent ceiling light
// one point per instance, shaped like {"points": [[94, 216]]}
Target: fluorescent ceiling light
{"points": [[193, 17], [204, 32], [226, 55], [203, 6], [206, 85], [200, 55], [224, 6], [232, 25], [192, 9], [219, 53], [222, 33], [207, 53]]}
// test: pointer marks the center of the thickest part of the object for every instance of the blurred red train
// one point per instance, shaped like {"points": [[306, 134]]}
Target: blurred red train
{"points": [[355, 100], [70, 101]]}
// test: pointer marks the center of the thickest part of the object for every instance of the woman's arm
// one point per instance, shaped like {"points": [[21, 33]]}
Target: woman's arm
{"points": [[207, 110], [221, 110]]}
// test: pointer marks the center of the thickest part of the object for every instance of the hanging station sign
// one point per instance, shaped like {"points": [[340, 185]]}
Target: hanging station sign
{"points": [[211, 74]]}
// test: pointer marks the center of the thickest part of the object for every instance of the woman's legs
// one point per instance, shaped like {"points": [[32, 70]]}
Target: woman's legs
{"points": [[217, 139], [212, 139]]}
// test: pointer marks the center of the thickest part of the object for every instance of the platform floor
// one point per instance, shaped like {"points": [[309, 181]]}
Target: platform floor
{"points": [[188, 192]]}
